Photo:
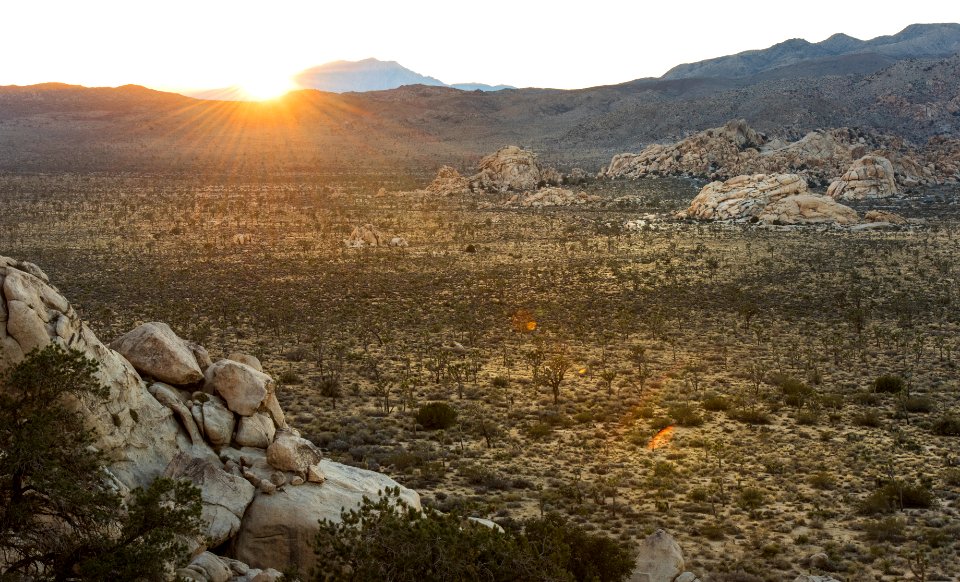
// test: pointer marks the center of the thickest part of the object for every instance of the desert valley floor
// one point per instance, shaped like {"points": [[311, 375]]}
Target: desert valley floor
{"points": [[758, 349]]}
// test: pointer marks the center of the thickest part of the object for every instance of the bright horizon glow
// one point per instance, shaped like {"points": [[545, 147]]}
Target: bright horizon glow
{"points": [[181, 45], [267, 85]]}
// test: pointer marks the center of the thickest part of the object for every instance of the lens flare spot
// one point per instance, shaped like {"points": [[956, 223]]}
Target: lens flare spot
{"points": [[582, 371], [661, 439], [531, 325]]}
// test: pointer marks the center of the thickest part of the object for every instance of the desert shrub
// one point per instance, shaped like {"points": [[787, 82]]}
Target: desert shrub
{"points": [[387, 539], [952, 477], [436, 416], [289, 377], [867, 418], [795, 392], [500, 382], [921, 404], [297, 354], [751, 498], [749, 415], [823, 480], [685, 415], [699, 494], [539, 430], [897, 495], [715, 403], [485, 477], [889, 384], [808, 417], [831, 401], [888, 529], [946, 425], [660, 422], [713, 531], [866, 398]]}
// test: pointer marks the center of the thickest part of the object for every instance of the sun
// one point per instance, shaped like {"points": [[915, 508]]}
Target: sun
{"points": [[266, 86]]}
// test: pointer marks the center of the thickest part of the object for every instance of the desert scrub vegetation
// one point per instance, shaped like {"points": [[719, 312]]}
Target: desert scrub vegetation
{"points": [[759, 347]]}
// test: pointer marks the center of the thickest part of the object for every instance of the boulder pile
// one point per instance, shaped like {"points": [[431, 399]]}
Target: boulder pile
{"points": [[821, 157], [449, 182], [868, 177], [550, 196], [172, 411], [509, 169], [367, 235], [660, 559], [769, 198]]}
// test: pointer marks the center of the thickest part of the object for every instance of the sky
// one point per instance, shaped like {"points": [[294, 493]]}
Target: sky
{"points": [[185, 45]]}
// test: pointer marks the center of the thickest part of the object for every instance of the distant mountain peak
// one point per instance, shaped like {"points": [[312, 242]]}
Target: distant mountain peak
{"points": [[372, 74]]}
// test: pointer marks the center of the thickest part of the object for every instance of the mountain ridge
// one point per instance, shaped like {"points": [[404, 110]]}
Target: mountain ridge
{"points": [[914, 41]]}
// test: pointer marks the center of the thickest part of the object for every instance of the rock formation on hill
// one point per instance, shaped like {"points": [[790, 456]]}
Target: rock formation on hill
{"points": [[449, 182], [550, 196], [367, 235], [868, 177], [172, 412], [820, 156], [512, 168], [769, 198]]}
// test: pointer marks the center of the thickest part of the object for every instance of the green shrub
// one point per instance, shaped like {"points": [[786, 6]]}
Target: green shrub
{"points": [[808, 417], [795, 392], [685, 415], [897, 495], [751, 498], [715, 403], [888, 529], [500, 382], [868, 418], [436, 416], [749, 415], [823, 480], [539, 430], [388, 540], [290, 377], [921, 404], [947, 425], [889, 384]]}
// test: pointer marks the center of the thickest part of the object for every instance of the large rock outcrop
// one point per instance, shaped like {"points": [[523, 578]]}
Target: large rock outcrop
{"points": [[155, 350], [736, 149], [279, 528], [243, 389], [512, 168], [225, 496], [248, 503], [449, 182], [659, 559], [138, 434], [808, 209], [743, 196], [769, 198], [719, 152], [868, 177]]}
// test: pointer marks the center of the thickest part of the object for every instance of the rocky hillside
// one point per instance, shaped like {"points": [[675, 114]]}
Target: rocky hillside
{"points": [[52, 127], [917, 41]]}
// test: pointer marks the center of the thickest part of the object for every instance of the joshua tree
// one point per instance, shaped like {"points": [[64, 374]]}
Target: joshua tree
{"points": [[554, 371]]}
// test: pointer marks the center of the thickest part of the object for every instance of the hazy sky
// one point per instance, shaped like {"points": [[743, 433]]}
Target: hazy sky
{"points": [[193, 44]]}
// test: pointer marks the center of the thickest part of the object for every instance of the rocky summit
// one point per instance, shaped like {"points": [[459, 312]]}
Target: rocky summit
{"points": [[169, 412]]}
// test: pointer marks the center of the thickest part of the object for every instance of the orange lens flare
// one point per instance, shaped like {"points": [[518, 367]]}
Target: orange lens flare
{"points": [[661, 439], [523, 321]]}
